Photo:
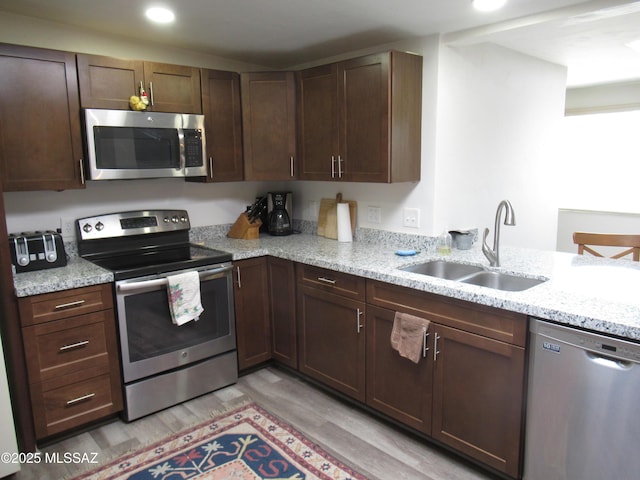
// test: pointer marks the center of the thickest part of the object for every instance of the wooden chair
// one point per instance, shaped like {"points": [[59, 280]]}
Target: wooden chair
{"points": [[632, 242]]}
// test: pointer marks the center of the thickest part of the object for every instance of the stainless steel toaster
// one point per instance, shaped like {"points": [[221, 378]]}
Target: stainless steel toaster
{"points": [[36, 251]]}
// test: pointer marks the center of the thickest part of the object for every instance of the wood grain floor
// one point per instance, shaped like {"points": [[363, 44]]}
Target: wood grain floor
{"points": [[375, 448]]}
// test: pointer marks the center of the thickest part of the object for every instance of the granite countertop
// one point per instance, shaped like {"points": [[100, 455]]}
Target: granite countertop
{"points": [[592, 293]]}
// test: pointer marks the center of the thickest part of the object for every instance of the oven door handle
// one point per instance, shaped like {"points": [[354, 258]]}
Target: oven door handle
{"points": [[159, 282]]}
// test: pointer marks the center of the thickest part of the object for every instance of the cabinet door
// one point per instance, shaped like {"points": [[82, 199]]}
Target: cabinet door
{"points": [[107, 82], [318, 123], [173, 88], [478, 395], [332, 340], [364, 118], [268, 125], [251, 292], [40, 145], [223, 120], [282, 290], [396, 386]]}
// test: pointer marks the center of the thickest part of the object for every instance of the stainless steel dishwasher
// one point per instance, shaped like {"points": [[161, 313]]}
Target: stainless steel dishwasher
{"points": [[583, 408]]}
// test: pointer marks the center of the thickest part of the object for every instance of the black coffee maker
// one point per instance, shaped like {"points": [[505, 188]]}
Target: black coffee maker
{"points": [[279, 213]]}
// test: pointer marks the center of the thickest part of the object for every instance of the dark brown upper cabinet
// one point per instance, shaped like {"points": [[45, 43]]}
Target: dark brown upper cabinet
{"points": [[40, 136], [269, 125], [107, 82], [223, 125], [360, 120]]}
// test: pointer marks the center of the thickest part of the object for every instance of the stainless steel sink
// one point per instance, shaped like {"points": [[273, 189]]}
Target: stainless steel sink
{"points": [[443, 269], [473, 275], [501, 281]]}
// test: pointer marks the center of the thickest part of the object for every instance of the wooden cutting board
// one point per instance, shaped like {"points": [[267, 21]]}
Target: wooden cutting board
{"points": [[328, 216]]}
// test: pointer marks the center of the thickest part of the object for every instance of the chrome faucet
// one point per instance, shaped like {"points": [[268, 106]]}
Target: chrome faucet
{"points": [[509, 219]]}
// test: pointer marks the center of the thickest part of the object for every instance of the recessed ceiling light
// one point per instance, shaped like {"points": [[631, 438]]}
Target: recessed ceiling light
{"points": [[488, 5], [160, 15]]}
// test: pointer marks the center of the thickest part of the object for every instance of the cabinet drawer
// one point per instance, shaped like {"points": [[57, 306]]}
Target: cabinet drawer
{"points": [[66, 346], [509, 327], [55, 306], [328, 280], [74, 404]]}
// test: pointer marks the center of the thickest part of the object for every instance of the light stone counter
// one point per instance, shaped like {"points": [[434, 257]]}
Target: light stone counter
{"points": [[597, 294], [77, 273]]}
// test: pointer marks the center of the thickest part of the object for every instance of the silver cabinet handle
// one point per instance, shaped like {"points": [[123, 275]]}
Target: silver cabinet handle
{"points": [[151, 93], [291, 170], [239, 281], [73, 346], [327, 280], [211, 168], [80, 399], [358, 317], [435, 347], [333, 166], [77, 303], [340, 171], [425, 349]]}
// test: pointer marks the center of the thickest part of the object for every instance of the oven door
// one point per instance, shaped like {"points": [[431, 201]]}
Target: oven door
{"points": [[151, 343]]}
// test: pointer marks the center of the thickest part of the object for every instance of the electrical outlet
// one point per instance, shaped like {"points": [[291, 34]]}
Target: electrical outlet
{"points": [[411, 217], [374, 214], [68, 228]]}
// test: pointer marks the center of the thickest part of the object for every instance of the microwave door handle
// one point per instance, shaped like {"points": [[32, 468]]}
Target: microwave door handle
{"points": [[183, 153], [160, 282]]}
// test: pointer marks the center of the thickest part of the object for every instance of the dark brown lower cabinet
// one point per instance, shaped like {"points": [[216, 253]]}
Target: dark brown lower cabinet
{"points": [[251, 299], [396, 386], [332, 340], [477, 397], [467, 392], [282, 289]]}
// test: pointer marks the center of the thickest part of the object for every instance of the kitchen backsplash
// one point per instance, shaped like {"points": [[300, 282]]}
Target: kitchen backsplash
{"points": [[370, 235]]}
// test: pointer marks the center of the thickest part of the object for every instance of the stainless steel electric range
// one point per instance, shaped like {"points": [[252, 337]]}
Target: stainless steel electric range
{"points": [[163, 364]]}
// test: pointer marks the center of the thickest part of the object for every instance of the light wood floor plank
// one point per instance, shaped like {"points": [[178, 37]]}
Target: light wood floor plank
{"points": [[376, 448]]}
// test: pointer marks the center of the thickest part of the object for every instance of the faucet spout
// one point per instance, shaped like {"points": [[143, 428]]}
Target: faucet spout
{"points": [[493, 254]]}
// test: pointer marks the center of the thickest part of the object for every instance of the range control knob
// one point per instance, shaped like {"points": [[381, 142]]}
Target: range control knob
{"points": [[99, 226], [183, 219], [87, 228], [175, 219], [51, 257]]}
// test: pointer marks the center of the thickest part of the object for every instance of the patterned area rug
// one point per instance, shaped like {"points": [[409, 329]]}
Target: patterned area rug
{"points": [[245, 444]]}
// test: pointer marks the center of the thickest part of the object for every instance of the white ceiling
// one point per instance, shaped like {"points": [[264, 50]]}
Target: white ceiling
{"points": [[588, 37]]}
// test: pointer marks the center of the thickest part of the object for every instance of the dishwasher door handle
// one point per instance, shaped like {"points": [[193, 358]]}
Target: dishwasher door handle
{"points": [[609, 362]]}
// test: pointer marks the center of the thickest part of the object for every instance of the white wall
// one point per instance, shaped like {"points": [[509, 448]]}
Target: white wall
{"points": [[488, 120], [499, 115]]}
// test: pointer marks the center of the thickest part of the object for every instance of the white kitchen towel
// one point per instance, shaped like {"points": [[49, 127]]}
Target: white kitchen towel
{"points": [[184, 297], [344, 223]]}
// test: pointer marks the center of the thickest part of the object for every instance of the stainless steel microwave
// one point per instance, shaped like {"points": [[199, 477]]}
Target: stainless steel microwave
{"points": [[125, 144]]}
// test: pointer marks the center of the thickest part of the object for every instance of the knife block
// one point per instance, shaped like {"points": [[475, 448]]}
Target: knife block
{"points": [[242, 229]]}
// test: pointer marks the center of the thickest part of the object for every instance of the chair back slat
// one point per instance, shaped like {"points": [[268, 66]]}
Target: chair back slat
{"points": [[586, 240]]}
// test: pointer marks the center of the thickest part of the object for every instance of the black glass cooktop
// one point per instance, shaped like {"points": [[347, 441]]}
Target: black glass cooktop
{"points": [[149, 261]]}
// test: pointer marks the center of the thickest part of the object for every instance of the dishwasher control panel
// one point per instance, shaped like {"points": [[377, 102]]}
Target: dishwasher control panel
{"points": [[555, 335]]}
